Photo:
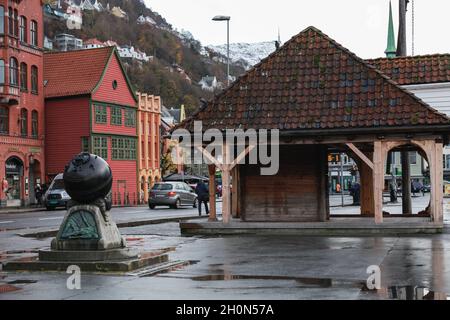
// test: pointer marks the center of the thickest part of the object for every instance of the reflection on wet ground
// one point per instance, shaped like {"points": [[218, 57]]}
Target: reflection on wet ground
{"points": [[410, 293]]}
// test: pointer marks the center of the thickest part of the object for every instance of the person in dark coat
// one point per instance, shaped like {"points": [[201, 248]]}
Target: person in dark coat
{"points": [[203, 196]]}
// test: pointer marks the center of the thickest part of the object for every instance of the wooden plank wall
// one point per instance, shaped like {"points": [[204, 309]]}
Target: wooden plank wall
{"points": [[295, 194]]}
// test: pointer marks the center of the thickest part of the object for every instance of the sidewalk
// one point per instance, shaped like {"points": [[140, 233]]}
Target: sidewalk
{"points": [[13, 210]]}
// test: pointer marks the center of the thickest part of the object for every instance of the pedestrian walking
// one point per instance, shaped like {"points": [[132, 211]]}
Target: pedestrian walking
{"points": [[203, 196], [38, 193]]}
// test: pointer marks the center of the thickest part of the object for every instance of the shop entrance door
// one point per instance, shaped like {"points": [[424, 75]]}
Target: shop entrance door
{"points": [[14, 176]]}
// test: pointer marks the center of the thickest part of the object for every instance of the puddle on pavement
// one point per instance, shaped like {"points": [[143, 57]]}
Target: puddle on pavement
{"points": [[22, 281], [305, 282], [22, 251], [413, 293], [175, 267]]}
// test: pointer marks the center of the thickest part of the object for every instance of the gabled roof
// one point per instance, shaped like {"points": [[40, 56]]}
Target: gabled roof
{"points": [[415, 70], [312, 83], [77, 72]]}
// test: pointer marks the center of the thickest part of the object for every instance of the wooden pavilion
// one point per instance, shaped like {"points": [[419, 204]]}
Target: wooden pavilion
{"points": [[320, 96]]}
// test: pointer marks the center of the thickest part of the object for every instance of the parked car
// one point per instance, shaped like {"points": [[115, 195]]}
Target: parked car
{"points": [[426, 188], [172, 194], [56, 195]]}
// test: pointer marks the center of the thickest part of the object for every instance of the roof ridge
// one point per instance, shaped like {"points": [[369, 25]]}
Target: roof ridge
{"points": [[430, 55], [78, 50]]}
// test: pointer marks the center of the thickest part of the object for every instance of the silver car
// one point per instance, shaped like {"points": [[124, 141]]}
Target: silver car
{"points": [[172, 194]]}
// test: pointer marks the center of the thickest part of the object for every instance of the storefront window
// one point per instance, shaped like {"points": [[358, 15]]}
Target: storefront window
{"points": [[14, 174]]}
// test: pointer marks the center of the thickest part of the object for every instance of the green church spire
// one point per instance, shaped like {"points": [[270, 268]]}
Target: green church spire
{"points": [[391, 50]]}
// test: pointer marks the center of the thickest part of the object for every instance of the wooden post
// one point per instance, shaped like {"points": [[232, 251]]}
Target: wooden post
{"points": [[226, 208], [378, 180], [322, 170], [436, 176], [212, 193], [367, 190], [406, 183], [235, 192]]}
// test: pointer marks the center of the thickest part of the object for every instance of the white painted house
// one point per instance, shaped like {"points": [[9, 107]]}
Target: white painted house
{"points": [[145, 20]]}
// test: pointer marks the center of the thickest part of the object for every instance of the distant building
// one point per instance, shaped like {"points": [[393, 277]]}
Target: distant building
{"points": [[132, 53], [118, 12], [48, 43], [67, 42], [149, 119], [209, 83], [145, 20], [170, 118], [54, 13], [110, 43], [93, 44], [75, 15]]}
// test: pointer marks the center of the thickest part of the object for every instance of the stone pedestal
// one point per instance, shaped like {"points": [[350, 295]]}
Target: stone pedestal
{"points": [[89, 239]]}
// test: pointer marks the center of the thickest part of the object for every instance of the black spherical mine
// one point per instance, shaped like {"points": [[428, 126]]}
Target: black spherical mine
{"points": [[87, 177]]}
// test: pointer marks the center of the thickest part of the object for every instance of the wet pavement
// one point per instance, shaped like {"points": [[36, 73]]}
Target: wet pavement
{"points": [[260, 268], [249, 267]]}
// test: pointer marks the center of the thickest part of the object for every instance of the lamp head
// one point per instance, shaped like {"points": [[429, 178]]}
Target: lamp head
{"points": [[221, 18]]}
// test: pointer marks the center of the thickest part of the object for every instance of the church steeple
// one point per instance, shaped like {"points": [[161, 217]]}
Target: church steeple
{"points": [[391, 51]]}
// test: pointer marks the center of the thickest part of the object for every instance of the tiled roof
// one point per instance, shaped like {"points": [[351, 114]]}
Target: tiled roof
{"points": [[74, 73], [415, 70], [312, 82]]}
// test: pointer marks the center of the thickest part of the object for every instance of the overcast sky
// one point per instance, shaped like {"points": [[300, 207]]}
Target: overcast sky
{"points": [[359, 25]]}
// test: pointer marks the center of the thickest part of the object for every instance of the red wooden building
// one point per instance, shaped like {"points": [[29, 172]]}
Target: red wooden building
{"points": [[21, 100], [90, 106]]}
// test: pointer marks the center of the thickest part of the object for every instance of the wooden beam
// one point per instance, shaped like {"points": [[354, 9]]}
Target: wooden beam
{"points": [[210, 157], [322, 171], [367, 191], [361, 155], [242, 156]]}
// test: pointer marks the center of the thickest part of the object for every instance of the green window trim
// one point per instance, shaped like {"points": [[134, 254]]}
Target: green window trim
{"points": [[130, 118], [100, 114], [123, 148], [85, 144], [116, 116], [101, 147]]}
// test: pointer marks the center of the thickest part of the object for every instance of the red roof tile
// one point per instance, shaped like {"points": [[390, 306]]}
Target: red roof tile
{"points": [[312, 82], [415, 70], [74, 72]]}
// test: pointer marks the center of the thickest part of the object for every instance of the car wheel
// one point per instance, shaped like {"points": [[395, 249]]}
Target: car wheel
{"points": [[177, 204], [50, 208], [151, 206], [195, 205]]}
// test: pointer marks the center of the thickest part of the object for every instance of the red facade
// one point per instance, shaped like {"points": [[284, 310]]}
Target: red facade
{"points": [[21, 100], [100, 119]]}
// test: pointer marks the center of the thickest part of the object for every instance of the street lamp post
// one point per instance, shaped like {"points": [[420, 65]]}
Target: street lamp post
{"points": [[227, 19]]}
